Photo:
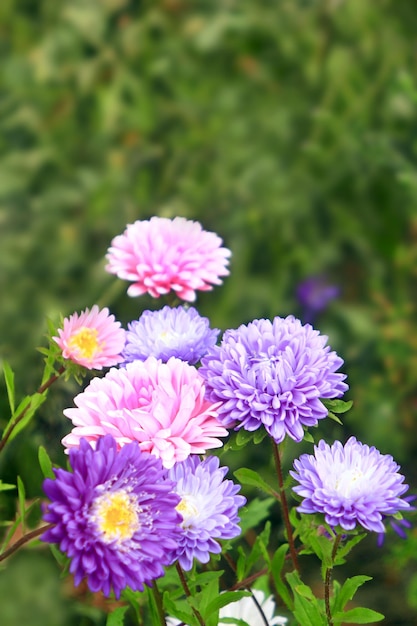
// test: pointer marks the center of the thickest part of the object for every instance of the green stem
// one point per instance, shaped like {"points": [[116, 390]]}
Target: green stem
{"points": [[327, 581], [188, 593], [284, 506], [12, 425], [158, 603], [25, 539]]}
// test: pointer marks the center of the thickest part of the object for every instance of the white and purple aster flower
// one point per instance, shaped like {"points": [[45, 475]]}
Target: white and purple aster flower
{"points": [[272, 374], [209, 508], [351, 484], [179, 332], [114, 516]]}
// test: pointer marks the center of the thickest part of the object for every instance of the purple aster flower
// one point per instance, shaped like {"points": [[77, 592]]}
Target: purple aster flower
{"points": [[180, 332], [399, 526], [350, 484], [114, 516], [272, 374], [208, 506], [314, 294]]}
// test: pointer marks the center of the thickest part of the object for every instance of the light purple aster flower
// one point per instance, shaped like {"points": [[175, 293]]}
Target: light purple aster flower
{"points": [[350, 484], [114, 516], [209, 508], [272, 374], [180, 332], [314, 295]]}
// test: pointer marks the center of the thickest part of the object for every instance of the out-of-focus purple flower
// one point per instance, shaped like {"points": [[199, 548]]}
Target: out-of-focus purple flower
{"points": [[209, 508], [272, 374], [180, 332], [114, 516], [399, 526], [351, 484], [314, 294]]}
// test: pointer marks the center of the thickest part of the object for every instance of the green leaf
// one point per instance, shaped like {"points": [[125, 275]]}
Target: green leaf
{"points": [[6, 486], [307, 609], [278, 561], [358, 616], [347, 591], [337, 406], [45, 463], [249, 477], [116, 618], [255, 512], [22, 500], [9, 379], [223, 599], [334, 418]]}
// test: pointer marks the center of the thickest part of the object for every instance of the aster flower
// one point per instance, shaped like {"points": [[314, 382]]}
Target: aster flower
{"points": [[162, 255], [92, 339], [314, 295], [209, 508], [351, 484], [399, 526], [246, 610], [272, 374], [114, 516], [179, 332], [160, 405]]}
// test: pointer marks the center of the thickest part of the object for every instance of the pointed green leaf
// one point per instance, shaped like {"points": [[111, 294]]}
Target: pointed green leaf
{"points": [[223, 599], [22, 500], [278, 561], [116, 618], [9, 379], [347, 591], [358, 616], [249, 477], [45, 463], [337, 406]]}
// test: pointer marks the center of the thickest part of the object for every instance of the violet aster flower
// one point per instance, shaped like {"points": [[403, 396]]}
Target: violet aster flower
{"points": [[114, 516], [209, 508], [314, 295], [160, 405], [247, 610], [178, 332], [162, 255], [92, 339], [399, 526], [272, 374], [351, 484]]}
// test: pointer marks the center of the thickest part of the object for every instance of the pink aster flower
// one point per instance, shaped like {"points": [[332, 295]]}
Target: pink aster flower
{"points": [[160, 405], [162, 255], [92, 339]]}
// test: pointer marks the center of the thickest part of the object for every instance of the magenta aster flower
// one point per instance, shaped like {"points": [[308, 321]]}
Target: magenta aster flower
{"points": [[209, 508], [92, 339], [272, 374], [179, 332], [162, 255], [114, 516], [160, 405], [351, 484]]}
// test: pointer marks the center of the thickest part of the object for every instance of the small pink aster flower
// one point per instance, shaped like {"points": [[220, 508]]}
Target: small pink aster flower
{"points": [[92, 339], [162, 255], [160, 405]]}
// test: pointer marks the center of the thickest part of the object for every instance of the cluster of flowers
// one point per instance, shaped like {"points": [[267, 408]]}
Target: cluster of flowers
{"points": [[140, 494]]}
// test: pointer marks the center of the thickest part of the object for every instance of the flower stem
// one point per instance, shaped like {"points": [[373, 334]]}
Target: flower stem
{"points": [[25, 539], [327, 581], [232, 566], [284, 506], [158, 603], [12, 425], [188, 593]]}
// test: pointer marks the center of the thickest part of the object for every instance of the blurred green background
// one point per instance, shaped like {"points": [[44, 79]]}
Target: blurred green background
{"points": [[287, 127]]}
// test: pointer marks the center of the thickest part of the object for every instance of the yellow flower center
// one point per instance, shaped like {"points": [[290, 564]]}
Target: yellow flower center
{"points": [[188, 509], [86, 342], [116, 515]]}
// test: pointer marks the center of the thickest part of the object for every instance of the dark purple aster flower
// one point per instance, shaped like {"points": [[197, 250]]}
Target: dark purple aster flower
{"points": [[399, 526], [272, 374], [209, 507], [180, 332], [351, 484], [314, 294], [114, 516]]}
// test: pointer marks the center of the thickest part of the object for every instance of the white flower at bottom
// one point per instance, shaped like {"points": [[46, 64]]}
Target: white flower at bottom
{"points": [[246, 610]]}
